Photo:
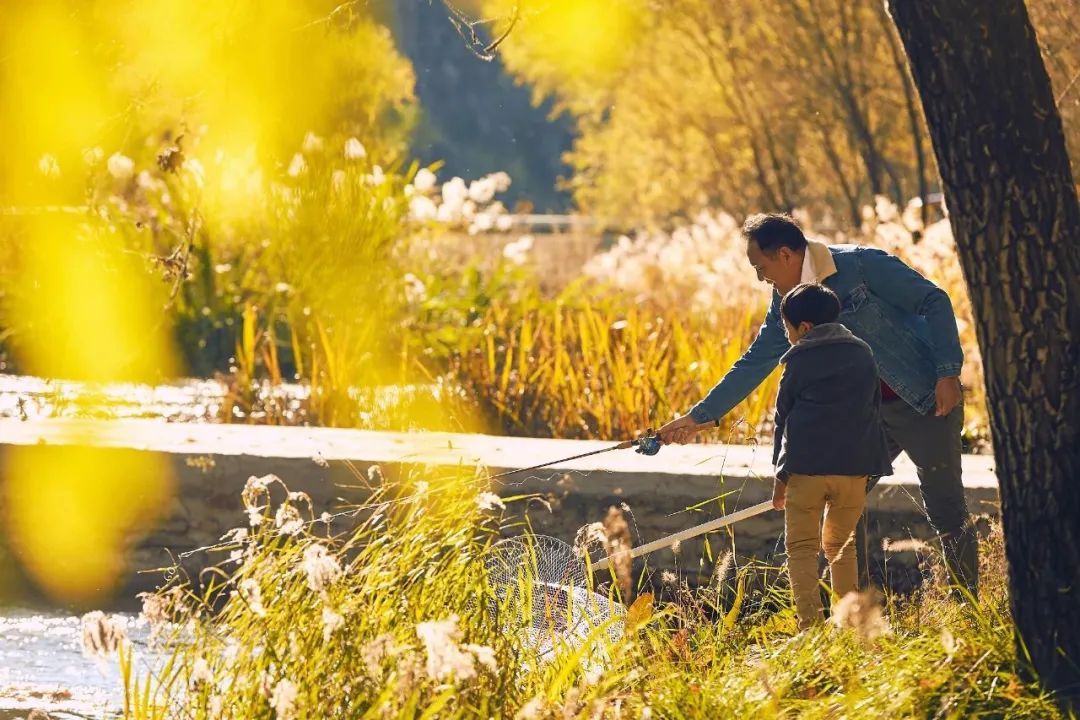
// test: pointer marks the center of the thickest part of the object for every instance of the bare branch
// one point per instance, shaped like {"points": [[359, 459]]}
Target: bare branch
{"points": [[466, 28]]}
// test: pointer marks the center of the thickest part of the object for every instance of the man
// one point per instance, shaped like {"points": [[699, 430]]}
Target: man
{"points": [[909, 324]]}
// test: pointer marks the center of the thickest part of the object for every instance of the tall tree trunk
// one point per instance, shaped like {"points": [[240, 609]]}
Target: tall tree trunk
{"points": [[1013, 207]]}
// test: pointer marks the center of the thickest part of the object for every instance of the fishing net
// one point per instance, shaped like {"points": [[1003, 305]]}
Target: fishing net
{"points": [[543, 589]]}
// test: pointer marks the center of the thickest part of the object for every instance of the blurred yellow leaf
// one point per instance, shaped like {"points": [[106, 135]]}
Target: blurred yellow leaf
{"points": [[581, 44], [73, 512], [90, 310]]}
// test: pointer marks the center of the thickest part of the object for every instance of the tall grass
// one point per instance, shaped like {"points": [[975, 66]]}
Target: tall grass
{"points": [[601, 369], [392, 620]]}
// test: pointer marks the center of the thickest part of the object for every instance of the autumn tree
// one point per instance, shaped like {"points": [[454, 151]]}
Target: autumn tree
{"points": [[764, 105]]}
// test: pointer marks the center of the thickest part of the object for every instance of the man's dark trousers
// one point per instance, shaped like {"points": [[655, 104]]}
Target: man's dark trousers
{"points": [[933, 444]]}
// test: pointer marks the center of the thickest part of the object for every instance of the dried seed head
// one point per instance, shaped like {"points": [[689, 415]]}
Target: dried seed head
{"points": [[283, 700], [322, 568], [589, 535], [949, 642], [49, 166], [862, 613], [331, 622], [354, 149], [120, 166], [288, 520], [489, 501], [254, 489], [237, 535], [532, 710], [155, 609], [101, 636], [723, 572], [907, 545], [444, 658], [485, 656], [200, 672], [171, 158], [618, 547], [251, 593], [375, 651]]}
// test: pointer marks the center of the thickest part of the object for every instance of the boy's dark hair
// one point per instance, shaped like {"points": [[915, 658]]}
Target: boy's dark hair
{"points": [[810, 302], [772, 231]]}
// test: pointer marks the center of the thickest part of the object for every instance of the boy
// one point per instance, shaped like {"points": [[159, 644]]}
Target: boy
{"points": [[829, 439]]}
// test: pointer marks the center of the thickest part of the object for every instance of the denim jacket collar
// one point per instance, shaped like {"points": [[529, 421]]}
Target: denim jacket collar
{"points": [[818, 262]]}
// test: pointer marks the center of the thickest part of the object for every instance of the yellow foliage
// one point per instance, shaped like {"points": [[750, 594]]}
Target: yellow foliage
{"points": [[230, 77], [621, 370], [747, 105], [53, 100], [89, 311], [91, 93]]}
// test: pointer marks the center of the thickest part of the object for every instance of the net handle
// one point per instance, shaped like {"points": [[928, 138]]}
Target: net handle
{"points": [[701, 529]]}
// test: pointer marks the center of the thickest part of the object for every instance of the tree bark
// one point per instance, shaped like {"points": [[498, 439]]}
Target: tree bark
{"points": [[1012, 202]]}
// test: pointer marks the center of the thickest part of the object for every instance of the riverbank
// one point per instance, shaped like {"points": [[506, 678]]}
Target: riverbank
{"points": [[680, 487]]}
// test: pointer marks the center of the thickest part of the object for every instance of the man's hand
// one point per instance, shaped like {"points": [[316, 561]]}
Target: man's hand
{"points": [[948, 394], [680, 430], [779, 494]]}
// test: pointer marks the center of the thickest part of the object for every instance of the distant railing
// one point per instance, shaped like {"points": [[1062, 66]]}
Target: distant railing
{"points": [[553, 223]]}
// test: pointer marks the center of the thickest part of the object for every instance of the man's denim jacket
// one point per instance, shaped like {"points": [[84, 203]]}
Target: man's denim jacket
{"points": [[906, 320]]}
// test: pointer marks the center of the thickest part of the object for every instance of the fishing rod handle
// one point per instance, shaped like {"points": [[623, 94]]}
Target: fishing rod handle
{"points": [[669, 540]]}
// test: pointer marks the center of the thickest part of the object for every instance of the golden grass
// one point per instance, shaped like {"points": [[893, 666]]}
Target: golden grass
{"points": [[597, 369], [393, 619]]}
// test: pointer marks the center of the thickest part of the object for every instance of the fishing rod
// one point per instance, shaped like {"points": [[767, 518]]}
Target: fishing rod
{"points": [[647, 444]]}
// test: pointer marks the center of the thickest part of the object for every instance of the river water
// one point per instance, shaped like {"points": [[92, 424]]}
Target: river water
{"points": [[42, 666]]}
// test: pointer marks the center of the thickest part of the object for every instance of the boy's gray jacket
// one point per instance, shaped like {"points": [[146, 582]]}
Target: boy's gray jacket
{"points": [[828, 410]]}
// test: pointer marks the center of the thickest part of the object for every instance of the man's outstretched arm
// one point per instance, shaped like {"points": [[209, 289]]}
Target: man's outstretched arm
{"points": [[744, 376]]}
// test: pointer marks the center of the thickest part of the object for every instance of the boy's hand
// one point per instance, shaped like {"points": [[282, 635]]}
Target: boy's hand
{"points": [[779, 494]]}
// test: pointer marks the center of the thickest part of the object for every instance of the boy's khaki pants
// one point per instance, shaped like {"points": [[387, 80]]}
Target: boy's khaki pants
{"points": [[841, 499]]}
